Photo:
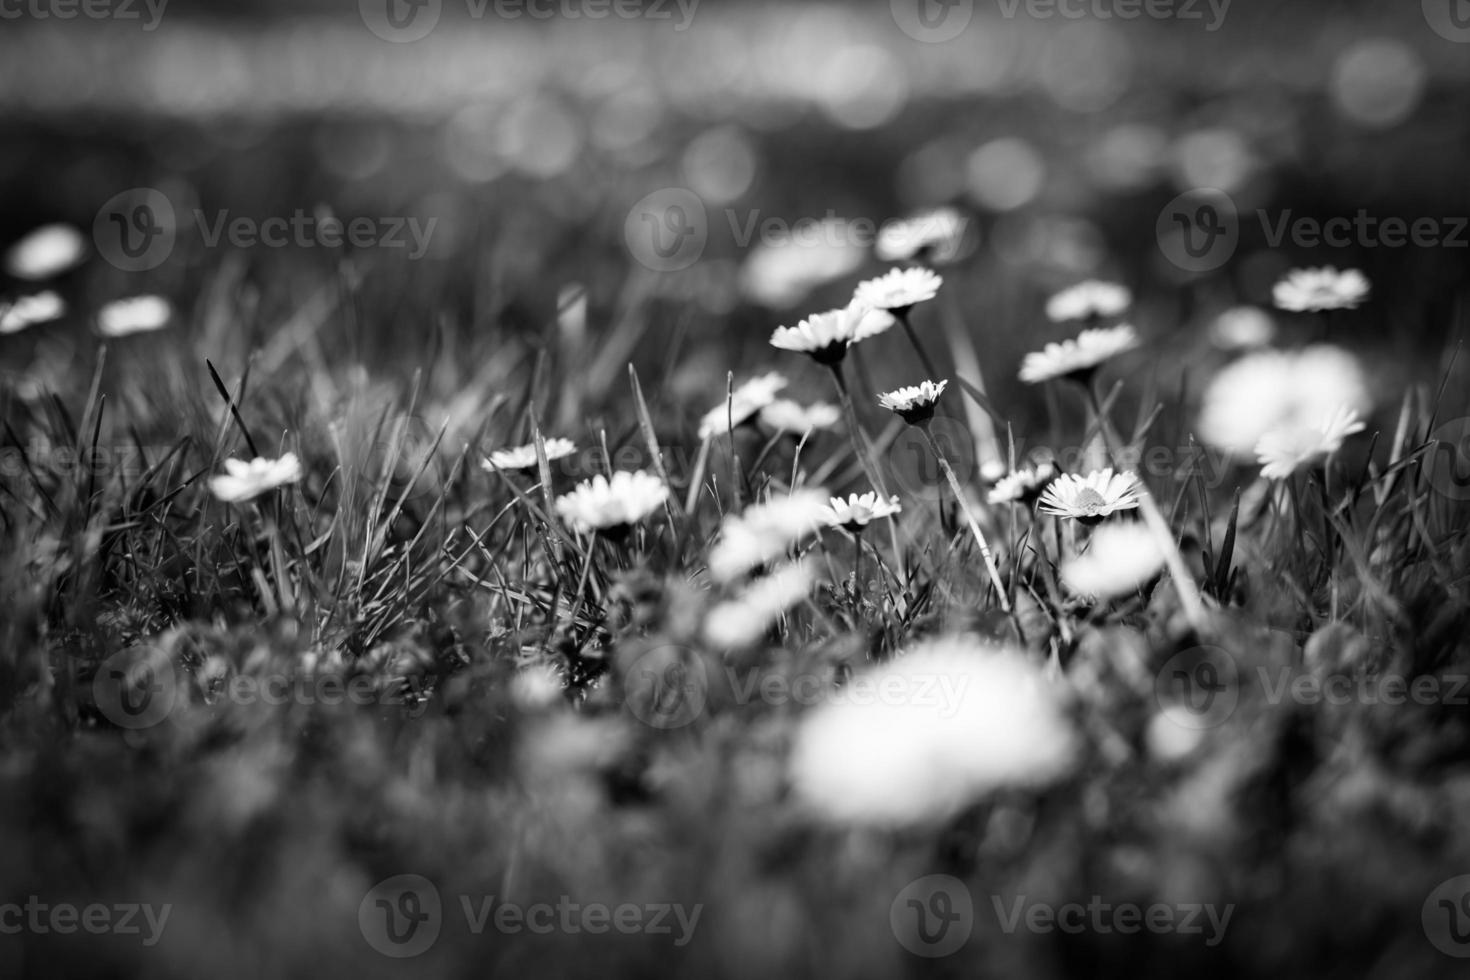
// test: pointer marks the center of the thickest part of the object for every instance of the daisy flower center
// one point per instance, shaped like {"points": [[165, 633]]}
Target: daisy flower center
{"points": [[1089, 501]]}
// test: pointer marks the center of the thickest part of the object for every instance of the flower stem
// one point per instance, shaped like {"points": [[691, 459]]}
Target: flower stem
{"points": [[959, 493], [908, 328], [854, 433], [1184, 584]]}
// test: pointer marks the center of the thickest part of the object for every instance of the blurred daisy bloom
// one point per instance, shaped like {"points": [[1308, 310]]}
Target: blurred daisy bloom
{"points": [[917, 739], [826, 336], [48, 251], [1241, 328], [1078, 358], [742, 621], [898, 290], [1268, 389], [914, 404], [1092, 497], [1090, 300], [785, 415], [244, 481], [763, 532], [934, 236], [138, 314], [1282, 452], [741, 405], [524, 457], [858, 510], [1119, 560], [27, 311], [1023, 485], [1315, 290], [600, 504]]}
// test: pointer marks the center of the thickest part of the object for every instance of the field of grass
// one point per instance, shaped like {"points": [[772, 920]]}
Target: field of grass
{"points": [[251, 719]]}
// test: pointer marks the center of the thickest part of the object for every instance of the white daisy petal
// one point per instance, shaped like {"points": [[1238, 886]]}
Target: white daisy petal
{"points": [[246, 481], [524, 457], [1074, 358], [600, 504], [1092, 497], [1088, 300], [1315, 290]]}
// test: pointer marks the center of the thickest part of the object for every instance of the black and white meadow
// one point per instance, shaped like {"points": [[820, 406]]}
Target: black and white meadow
{"points": [[821, 491]]}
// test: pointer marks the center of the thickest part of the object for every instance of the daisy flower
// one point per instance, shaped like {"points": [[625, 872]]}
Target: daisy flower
{"points": [[1092, 497], [782, 272], [1090, 300], [898, 290], [137, 314], [1268, 390], [763, 532], [600, 504], [826, 336], [858, 510], [1078, 358], [48, 251], [1023, 485], [1119, 560], [524, 457], [27, 311], [743, 403], [934, 236], [914, 404], [742, 621], [1241, 328], [930, 732], [244, 481], [1282, 452], [785, 415], [1315, 290]]}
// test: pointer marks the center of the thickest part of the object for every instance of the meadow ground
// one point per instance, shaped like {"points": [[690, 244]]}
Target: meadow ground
{"points": [[395, 711]]}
